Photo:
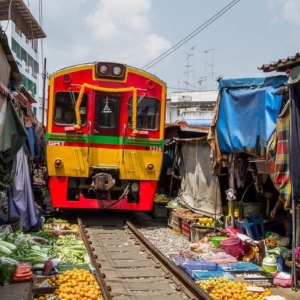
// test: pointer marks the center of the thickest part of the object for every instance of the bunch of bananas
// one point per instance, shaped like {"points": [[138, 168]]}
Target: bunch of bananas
{"points": [[161, 198]]}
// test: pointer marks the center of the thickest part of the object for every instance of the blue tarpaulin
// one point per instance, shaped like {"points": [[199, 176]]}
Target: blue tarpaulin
{"points": [[247, 112]]}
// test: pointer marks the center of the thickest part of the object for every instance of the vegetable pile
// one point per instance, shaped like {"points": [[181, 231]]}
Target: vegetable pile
{"points": [[42, 246]]}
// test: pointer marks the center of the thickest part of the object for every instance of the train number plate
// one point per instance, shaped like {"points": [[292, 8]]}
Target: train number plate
{"points": [[154, 148]]}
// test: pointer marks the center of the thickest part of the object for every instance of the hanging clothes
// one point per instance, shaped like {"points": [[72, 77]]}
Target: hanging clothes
{"points": [[278, 156], [21, 195]]}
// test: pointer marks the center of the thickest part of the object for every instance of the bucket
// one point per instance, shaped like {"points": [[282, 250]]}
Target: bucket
{"points": [[231, 246]]}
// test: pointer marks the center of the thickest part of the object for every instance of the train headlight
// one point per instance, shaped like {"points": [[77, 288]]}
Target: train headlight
{"points": [[103, 69], [150, 167], [135, 187], [58, 163], [117, 70], [110, 70]]}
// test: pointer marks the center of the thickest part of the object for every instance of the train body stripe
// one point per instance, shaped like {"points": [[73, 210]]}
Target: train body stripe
{"points": [[110, 140]]}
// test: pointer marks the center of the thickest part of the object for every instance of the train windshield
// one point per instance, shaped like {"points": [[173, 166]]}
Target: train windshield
{"points": [[107, 113], [64, 108], [148, 113]]}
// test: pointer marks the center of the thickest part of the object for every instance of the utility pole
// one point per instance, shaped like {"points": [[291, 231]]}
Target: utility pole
{"points": [[44, 75]]}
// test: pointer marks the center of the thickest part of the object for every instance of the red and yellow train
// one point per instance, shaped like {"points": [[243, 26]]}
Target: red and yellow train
{"points": [[105, 136]]}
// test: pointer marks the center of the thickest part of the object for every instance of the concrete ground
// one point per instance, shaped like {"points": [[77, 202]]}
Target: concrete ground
{"points": [[15, 291]]}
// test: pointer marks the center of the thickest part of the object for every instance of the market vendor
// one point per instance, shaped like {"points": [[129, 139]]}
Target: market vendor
{"points": [[278, 205]]}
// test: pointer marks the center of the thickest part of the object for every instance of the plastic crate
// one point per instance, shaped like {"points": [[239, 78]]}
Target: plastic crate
{"points": [[203, 275], [219, 259], [64, 267], [181, 261], [190, 267], [160, 210], [283, 282], [242, 266]]}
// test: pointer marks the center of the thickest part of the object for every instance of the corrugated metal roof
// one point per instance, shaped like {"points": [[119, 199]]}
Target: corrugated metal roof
{"points": [[282, 64]]}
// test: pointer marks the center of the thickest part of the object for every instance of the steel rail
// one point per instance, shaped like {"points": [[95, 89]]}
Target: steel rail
{"points": [[104, 290], [190, 285]]}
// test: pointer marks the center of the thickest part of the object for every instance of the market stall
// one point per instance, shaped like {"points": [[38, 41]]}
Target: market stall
{"points": [[54, 262]]}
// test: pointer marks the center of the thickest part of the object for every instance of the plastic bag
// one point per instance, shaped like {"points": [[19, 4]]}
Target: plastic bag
{"points": [[5, 230], [8, 268]]}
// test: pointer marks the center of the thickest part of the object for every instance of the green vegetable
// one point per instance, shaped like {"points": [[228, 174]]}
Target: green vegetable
{"points": [[8, 268], [5, 250], [8, 245]]}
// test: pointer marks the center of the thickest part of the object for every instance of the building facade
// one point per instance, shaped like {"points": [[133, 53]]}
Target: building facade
{"points": [[195, 107], [23, 33], [26, 55]]}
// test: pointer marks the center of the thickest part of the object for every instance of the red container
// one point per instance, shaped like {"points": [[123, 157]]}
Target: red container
{"points": [[186, 229], [231, 246]]}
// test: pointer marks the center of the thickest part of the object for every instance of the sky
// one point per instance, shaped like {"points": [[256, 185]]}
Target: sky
{"points": [[135, 32]]}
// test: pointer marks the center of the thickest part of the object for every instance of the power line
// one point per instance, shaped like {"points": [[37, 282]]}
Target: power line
{"points": [[191, 35]]}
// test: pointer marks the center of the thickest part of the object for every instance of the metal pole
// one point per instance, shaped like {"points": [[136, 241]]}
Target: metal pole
{"points": [[44, 86], [294, 271], [231, 184]]}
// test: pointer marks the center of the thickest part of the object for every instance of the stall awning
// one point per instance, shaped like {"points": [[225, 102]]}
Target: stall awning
{"points": [[17, 12], [247, 112]]}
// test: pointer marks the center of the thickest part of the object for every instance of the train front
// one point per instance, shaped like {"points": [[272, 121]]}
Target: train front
{"points": [[105, 135]]}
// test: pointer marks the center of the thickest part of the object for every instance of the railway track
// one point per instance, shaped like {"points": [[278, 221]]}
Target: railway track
{"points": [[128, 266]]}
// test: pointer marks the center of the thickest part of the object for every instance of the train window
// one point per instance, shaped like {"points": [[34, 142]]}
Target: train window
{"points": [[64, 108], [148, 113], [106, 110]]}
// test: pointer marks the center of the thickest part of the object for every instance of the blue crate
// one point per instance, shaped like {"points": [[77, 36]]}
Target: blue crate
{"points": [[181, 261], [189, 268], [203, 275], [242, 266]]}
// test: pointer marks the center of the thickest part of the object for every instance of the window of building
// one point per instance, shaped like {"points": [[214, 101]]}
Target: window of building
{"points": [[16, 48], [107, 110], [24, 56], [64, 108], [35, 70], [34, 110], [148, 113], [30, 62]]}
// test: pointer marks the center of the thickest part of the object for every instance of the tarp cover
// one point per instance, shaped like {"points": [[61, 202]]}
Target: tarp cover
{"points": [[200, 189], [13, 135], [247, 112]]}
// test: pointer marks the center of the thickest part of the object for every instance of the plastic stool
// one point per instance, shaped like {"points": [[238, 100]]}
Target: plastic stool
{"points": [[245, 224], [259, 222], [251, 227]]}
